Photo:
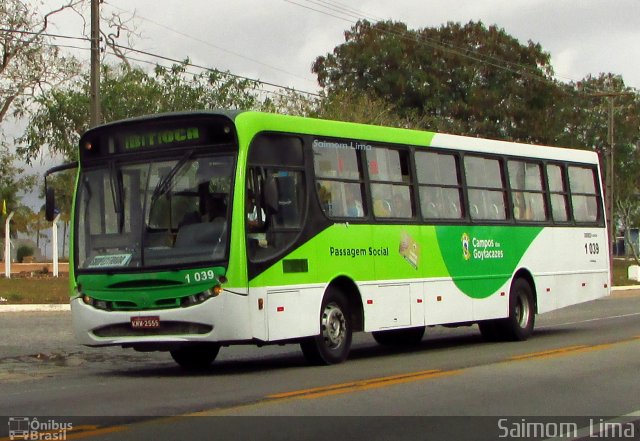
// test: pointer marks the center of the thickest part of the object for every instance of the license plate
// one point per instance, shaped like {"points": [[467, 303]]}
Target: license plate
{"points": [[145, 322]]}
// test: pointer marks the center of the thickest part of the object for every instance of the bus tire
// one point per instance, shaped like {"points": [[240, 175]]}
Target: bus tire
{"points": [[400, 337], [522, 312], [197, 356], [333, 343]]}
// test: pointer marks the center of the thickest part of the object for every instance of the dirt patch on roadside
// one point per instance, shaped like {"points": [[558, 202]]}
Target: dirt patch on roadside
{"points": [[623, 293]]}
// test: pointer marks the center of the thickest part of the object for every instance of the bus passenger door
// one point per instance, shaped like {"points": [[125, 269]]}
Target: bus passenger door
{"points": [[276, 200]]}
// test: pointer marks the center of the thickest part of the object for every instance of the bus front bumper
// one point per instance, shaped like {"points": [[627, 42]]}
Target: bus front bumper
{"points": [[211, 321]]}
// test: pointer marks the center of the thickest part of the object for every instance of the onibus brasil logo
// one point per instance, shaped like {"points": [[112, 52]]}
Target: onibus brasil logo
{"points": [[480, 249], [32, 429]]}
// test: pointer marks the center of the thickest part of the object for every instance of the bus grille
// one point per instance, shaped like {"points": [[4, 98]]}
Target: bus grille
{"points": [[166, 328]]}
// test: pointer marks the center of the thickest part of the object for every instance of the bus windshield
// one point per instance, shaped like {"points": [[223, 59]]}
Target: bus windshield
{"points": [[153, 214]]}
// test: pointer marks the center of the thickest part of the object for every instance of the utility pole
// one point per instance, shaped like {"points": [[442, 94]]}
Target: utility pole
{"points": [[95, 64], [609, 178]]}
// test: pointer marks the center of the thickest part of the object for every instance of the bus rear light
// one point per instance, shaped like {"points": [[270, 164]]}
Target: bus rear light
{"points": [[419, 300], [369, 302], [216, 291], [88, 146], [280, 309]]}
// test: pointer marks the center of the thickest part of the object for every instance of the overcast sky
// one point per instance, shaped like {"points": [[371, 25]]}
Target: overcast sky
{"points": [[277, 40]]}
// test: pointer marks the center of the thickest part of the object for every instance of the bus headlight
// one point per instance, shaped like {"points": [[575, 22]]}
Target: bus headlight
{"points": [[98, 304], [201, 297]]}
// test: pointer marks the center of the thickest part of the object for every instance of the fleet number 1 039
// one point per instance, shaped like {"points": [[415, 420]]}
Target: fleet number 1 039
{"points": [[200, 276], [591, 248]]}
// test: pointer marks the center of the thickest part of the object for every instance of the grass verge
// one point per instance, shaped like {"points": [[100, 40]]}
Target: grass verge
{"points": [[30, 290]]}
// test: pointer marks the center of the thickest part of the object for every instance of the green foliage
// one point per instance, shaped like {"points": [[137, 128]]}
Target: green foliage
{"points": [[366, 109], [61, 114], [23, 251], [465, 79], [292, 102], [13, 183]]}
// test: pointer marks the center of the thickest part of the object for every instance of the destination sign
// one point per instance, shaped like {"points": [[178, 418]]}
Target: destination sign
{"points": [[161, 138], [156, 133]]}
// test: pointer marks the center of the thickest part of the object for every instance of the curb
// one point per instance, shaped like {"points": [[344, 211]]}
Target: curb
{"points": [[35, 308], [625, 288]]}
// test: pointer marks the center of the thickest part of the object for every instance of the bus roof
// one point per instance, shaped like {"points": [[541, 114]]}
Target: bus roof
{"points": [[313, 126], [261, 121]]}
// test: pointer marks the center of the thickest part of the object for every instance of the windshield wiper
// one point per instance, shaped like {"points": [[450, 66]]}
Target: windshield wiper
{"points": [[167, 182], [115, 178]]}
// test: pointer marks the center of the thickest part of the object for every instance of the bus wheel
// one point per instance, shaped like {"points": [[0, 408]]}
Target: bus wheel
{"points": [[400, 337], [519, 325], [333, 343], [197, 356]]}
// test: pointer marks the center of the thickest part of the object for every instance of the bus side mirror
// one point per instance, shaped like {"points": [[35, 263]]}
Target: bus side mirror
{"points": [[49, 193], [271, 196], [50, 204]]}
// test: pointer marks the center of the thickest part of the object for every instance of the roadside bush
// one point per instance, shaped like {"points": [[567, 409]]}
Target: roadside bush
{"points": [[24, 251]]}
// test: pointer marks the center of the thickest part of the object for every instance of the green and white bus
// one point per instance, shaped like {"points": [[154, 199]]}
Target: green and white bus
{"points": [[197, 230]]}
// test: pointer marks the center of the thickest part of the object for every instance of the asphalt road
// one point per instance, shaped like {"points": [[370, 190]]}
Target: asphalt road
{"points": [[583, 361]]}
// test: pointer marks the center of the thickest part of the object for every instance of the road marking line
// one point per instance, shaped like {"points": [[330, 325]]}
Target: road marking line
{"points": [[589, 320], [357, 386], [569, 350], [349, 384], [551, 352]]}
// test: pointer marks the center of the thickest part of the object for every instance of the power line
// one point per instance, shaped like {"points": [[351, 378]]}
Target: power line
{"points": [[318, 10], [515, 68], [208, 43], [43, 34], [162, 57], [209, 69], [155, 63]]}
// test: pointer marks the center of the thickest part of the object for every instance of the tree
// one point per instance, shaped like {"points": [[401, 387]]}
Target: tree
{"points": [[28, 64], [13, 183], [366, 109], [38, 223], [587, 120], [466, 79], [61, 116]]}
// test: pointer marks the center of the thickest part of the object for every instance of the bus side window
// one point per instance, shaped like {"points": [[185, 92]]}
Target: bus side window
{"points": [[486, 188], [584, 197], [275, 195], [558, 191], [440, 186], [391, 179]]}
